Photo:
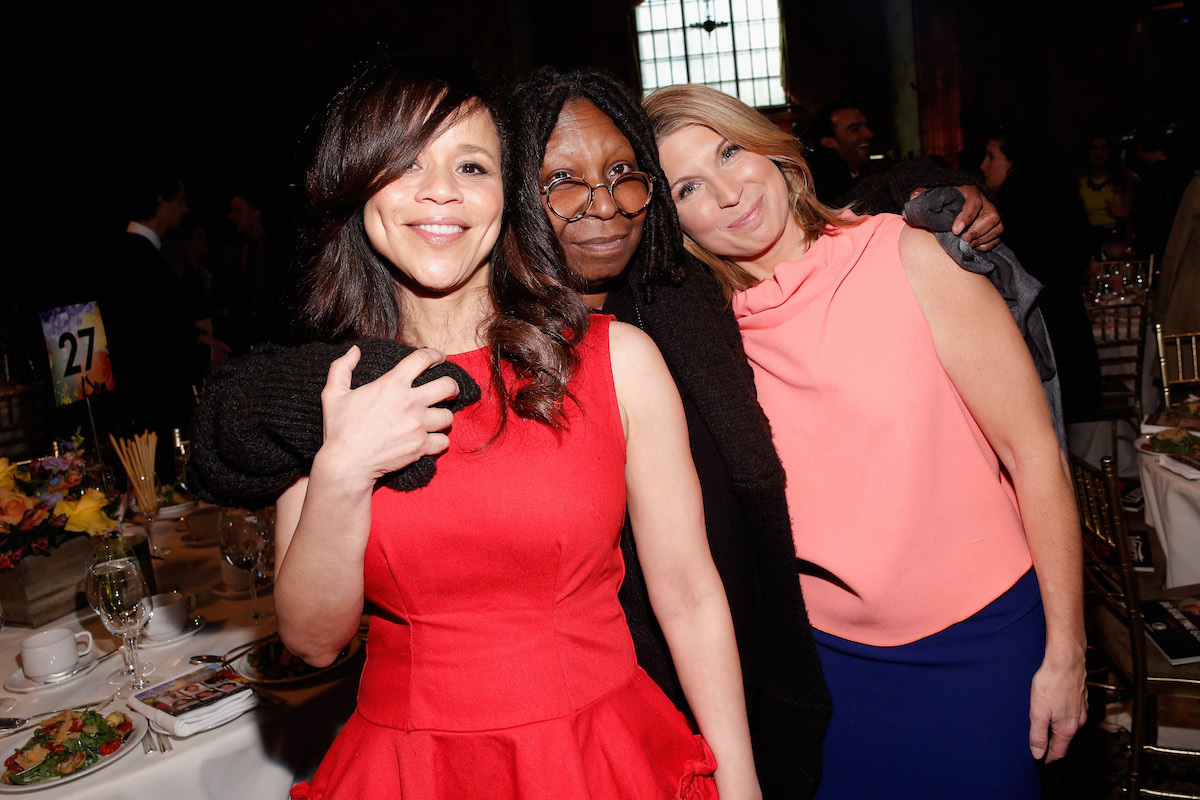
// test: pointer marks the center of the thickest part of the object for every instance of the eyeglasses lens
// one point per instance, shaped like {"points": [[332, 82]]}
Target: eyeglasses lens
{"points": [[570, 198]]}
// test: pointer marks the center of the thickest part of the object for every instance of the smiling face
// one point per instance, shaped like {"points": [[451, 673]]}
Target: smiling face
{"points": [[586, 144], [732, 202], [851, 137], [437, 223]]}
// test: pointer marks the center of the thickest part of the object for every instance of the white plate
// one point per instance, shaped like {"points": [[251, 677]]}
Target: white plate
{"points": [[176, 511], [243, 668], [197, 624], [11, 743], [1142, 445], [19, 682]]}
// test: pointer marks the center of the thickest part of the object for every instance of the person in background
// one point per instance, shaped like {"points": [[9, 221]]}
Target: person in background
{"points": [[499, 663], [1106, 191], [840, 151], [1028, 174], [150, 318], [251, 287], [954, 652], [1156, 196]]}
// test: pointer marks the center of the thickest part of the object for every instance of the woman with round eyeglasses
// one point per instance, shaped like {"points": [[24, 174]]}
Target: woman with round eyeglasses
{"points": [[933, 518], [585, 130], [498, 663]]}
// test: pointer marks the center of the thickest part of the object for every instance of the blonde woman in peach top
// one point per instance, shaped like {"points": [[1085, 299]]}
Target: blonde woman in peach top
{"points": [[932, 512]]}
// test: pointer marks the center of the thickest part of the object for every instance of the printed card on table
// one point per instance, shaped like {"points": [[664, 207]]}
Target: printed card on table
{"points": [[78, 350], [196, 689]]}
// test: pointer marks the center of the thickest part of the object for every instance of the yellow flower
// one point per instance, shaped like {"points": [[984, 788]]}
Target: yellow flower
{"points": [[87, 513], [7, 473]]}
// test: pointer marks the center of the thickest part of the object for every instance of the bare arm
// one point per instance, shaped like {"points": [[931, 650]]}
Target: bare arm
{"points": [[977, 342], [324, 520], [685, 590]]}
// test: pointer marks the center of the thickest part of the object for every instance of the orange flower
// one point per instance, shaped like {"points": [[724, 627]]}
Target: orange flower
{"points": [[13, 506]]}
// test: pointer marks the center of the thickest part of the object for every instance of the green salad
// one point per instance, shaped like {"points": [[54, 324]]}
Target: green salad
{"points": [[65, 744]]}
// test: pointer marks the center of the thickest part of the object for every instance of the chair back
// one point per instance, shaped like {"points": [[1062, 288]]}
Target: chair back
{"points": [[1109, 577], [1117, 306], [1121, 281], [1178, 361]]}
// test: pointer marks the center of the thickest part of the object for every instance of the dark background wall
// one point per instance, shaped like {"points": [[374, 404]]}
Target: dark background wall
{"points": [[226, 89]]}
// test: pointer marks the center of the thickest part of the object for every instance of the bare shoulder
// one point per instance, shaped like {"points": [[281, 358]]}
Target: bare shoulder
{"points": [[632, 348], [937, 280]]}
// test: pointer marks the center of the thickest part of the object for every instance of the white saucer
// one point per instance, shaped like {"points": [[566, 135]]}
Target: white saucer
{"points": [[19, 682], [147, 643], [174, 512], [221, 589]]}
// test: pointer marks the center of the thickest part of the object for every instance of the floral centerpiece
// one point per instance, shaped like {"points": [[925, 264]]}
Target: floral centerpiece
{"points": [[43, 504]]}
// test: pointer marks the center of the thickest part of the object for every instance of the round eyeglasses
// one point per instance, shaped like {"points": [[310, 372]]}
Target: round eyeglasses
{"points": [[570, 198]]}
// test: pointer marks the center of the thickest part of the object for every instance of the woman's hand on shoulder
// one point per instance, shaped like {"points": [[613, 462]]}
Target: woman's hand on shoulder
{"points": [[387, 424]]}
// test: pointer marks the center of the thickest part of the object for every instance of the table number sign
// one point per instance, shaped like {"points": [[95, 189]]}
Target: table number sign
{"points": [[78, 350]]}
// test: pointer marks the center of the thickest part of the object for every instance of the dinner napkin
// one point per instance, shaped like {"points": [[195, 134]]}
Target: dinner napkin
{"points": [[1179, 468], [194, 702]]}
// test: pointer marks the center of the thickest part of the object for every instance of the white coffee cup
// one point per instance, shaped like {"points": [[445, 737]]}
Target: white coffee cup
{"points": [[235, 580], [170, 614], [53, 653], [205, 522]]}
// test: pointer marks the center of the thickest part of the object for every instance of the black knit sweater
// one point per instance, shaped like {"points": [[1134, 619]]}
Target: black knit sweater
{"points": [[258, 425]]}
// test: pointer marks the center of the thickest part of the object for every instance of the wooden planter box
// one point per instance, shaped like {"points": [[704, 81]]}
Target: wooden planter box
{"points": [[40, 589]]}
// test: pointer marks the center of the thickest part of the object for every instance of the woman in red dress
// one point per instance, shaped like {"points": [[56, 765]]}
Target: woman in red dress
{"points": [[498, 660]]}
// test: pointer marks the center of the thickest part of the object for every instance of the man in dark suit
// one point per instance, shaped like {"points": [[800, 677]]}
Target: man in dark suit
{"points": [[150, 319]]}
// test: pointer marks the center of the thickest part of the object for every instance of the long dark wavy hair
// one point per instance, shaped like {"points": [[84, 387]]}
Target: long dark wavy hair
{"points": [[372, 130], [533, 110]]}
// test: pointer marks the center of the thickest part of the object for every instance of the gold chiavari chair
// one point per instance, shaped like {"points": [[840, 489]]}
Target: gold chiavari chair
{"points": [[1178, 362], [1118, 308], [1115, 626]]}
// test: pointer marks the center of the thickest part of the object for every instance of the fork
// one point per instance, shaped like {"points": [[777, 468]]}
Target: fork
{"points": [[164, 742]]}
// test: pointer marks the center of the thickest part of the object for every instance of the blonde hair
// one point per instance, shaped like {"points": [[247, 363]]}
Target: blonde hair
{"points": [[673, 108]]}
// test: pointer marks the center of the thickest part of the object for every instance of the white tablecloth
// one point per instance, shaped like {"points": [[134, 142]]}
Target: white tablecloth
{"points": [[1173, 510], [259, 755]]}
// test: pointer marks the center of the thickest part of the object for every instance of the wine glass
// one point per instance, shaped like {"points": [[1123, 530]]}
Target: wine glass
{"points": [[118, 593], [245, 543]]}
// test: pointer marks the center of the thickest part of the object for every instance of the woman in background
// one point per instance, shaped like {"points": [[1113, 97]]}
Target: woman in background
{"points": [[942, 578]]}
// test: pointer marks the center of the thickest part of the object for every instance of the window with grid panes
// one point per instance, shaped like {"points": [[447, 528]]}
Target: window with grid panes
{"points": [[740, 55]]}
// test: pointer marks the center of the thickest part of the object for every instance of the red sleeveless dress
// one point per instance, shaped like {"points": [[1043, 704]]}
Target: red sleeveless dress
{"points": [[499, 663]]}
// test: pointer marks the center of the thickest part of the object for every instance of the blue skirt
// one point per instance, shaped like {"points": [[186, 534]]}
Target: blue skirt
{"points": [[944, 716]]}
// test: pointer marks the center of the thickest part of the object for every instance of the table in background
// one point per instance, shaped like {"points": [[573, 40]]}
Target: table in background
{"points": [[258, 755], [1173, 510]]}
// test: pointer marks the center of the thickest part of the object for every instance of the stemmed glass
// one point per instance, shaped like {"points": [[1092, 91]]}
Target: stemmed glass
{"points": [[118, 593], [246, 544]]}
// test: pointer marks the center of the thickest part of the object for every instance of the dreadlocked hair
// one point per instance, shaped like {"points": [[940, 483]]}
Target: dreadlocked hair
{"points": [[533, 110]]}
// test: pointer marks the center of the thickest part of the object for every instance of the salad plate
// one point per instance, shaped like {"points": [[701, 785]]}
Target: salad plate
{"points": [[17, 740], [1145, 444], [21, 683], [272, 663], [194, 626]]}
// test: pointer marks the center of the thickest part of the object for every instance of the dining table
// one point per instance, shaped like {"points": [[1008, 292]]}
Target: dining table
{"points": [[1173, 510], [259, 754]]}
